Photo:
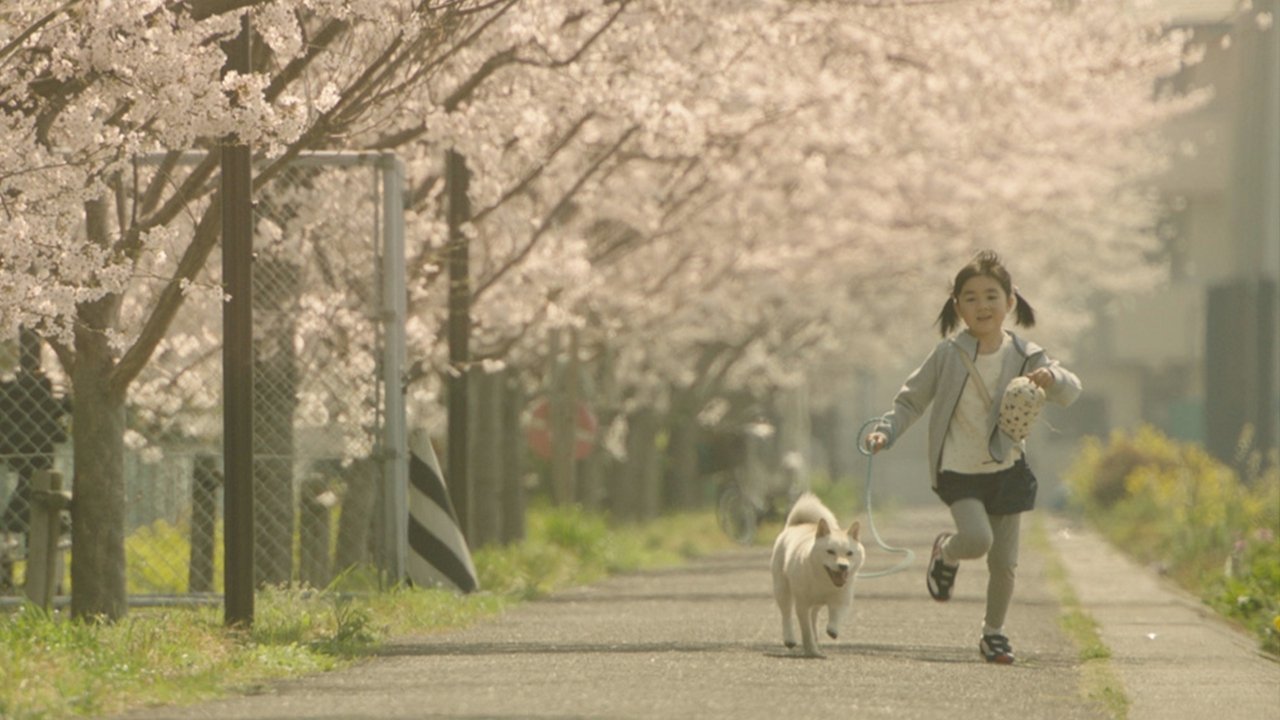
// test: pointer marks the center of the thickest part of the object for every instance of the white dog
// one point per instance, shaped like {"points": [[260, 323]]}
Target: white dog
{"points": [[814, 564]]}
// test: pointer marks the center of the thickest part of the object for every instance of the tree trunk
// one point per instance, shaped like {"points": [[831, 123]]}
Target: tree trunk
{"points": [[273, 472], [513, 451], [645, 463], [275, 400], [683, 485], [795, 427], [606, 474], [486, 460], [592, 486], [356, 518], [205, 481], [97, 512], [98, 586], [624, 492], [313, 530], [561, 423]]}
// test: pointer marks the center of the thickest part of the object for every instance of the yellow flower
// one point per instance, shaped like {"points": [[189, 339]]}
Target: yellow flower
{"points": [[1276, 622]]}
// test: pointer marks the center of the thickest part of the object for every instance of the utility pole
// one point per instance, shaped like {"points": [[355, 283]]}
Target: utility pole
{"points": [[237, 355]]}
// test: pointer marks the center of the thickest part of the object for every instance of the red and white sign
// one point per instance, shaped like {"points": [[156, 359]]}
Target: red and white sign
{"points": [[539, 430]]}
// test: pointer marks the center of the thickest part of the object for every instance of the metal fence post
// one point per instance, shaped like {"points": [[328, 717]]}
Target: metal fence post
{"points": [[44, 566], [237, 360], [395, 456]]}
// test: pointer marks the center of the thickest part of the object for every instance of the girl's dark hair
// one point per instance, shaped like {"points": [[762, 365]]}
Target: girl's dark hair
{"points": [[985, 263]]}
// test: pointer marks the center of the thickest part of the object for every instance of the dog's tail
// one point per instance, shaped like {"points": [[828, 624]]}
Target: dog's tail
{"points": [[809, 509]]}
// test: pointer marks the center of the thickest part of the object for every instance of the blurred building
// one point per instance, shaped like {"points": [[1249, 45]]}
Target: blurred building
{"points": [[1198, 358]]}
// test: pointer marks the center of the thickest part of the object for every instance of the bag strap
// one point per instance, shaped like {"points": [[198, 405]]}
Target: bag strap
{"points": [[973, 372]]}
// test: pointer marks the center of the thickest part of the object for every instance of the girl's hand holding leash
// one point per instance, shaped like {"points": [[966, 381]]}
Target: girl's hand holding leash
{"points": [[875, 441]]}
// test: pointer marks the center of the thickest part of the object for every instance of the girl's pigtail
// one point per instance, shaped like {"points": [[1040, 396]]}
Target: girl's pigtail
{"points": [[1024, 314], [948, 318]]}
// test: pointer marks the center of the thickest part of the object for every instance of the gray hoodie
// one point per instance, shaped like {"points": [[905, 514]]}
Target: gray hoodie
{"points": [[940, 380]]}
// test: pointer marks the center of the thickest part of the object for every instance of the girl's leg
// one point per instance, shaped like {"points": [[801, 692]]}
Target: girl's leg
{"points": [[973, 536], [1002, 561]]}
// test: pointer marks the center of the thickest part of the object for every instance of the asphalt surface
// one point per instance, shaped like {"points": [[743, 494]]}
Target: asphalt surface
{"points": [[704, 641]]}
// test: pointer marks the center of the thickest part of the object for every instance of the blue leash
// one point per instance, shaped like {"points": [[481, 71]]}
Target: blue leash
{"points": [[908, 555]]}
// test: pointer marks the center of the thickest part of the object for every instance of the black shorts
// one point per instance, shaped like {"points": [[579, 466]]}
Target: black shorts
{"points": [[1004, 492]]}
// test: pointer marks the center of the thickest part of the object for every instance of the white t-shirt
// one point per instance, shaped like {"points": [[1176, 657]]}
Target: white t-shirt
{"points": [[965, 449]]}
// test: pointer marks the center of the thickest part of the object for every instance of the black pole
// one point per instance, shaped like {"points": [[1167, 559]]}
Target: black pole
{"points": [[237, 359], [457, 178]]}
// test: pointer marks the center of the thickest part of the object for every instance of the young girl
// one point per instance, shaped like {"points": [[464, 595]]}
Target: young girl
{"points": [[978, 470]]}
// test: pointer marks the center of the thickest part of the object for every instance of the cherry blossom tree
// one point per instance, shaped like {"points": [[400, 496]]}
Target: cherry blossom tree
{"points": [[720, 194], [811, 165], [101, 268]]}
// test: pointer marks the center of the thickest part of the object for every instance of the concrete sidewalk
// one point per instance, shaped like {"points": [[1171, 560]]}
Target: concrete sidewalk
{"points": [[704, 641], [1176, 658]]}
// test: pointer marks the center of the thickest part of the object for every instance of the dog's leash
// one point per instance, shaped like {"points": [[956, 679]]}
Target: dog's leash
{"points": [[908, 555]]}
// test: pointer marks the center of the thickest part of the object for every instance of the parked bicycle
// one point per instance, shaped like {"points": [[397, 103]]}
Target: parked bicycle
{"points": [[753, 486]]}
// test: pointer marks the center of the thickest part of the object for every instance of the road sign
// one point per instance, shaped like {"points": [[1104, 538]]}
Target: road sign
{"points": [[539, 430]]}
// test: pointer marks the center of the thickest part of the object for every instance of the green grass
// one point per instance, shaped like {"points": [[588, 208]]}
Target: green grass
{"points": [[53, 667], [1098, 680]]}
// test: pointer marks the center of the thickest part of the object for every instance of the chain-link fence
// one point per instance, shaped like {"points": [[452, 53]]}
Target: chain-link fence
{"points": [[319, 371]]}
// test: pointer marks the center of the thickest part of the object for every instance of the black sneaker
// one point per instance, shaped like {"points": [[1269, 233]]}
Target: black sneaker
{"points": [[941, 575], [995, 648]]}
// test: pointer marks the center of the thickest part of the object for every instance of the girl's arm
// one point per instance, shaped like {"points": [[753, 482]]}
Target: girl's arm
{"points": [[910, 402]]}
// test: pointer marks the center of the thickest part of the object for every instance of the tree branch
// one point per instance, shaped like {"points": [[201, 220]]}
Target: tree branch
{"points": [[35, 27], [205, 238], [537, 172], [549, 219], [204, 9], [600, 31], [318, 44]]}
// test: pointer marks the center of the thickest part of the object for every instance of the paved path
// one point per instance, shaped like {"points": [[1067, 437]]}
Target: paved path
{"points": [[704, 641]]}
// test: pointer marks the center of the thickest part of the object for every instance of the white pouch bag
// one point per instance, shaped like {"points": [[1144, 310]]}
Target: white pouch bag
{"points": [[1020, 407]]}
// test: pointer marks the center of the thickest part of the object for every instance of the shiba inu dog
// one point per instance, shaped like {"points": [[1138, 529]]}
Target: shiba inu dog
{"points": [[814, 564]]}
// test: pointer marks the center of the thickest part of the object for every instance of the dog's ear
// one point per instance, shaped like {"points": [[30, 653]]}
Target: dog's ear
{"points": [[823, 528], [854, 529]]}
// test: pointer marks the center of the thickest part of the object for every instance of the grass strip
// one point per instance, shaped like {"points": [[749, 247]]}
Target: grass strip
{"points": [[54, 667], [1099, 681]]}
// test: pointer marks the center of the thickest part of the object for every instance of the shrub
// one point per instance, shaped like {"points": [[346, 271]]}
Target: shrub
{"points": [[1173, 505], [1107, 466], [1249, 589]]}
